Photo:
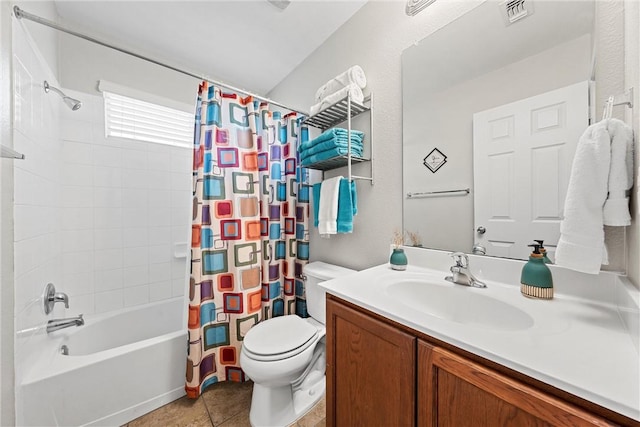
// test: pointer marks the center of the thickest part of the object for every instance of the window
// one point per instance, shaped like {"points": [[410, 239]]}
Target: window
{"points": [[132, 118]]}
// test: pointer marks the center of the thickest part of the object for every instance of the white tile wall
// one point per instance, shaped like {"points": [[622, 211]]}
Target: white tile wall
{"points": [[97, 217], [125, 205], [38, 231]]}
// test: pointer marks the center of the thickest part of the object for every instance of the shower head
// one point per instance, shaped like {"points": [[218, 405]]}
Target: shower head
{"points": [[72, 103]]}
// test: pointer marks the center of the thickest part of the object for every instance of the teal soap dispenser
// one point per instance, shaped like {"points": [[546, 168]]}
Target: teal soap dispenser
{"points": [[543, 251], [536, 280]]}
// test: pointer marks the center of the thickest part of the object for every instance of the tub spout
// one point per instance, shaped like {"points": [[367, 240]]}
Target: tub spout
{"points": [[56, 324]]}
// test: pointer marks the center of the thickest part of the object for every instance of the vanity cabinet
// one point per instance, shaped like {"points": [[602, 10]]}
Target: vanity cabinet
{"points": [[455, 392], [370, 370], [380, 373]]}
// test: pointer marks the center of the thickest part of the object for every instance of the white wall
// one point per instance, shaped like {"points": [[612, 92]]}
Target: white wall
{"points": [[610, 46], [37, 236], [125, 204], [374, 38], [47, 39], [632, 79], [7, 401], [83, 63]]}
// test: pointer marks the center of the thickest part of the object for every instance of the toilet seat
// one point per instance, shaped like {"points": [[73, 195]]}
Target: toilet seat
{"points": [[279, 338]]}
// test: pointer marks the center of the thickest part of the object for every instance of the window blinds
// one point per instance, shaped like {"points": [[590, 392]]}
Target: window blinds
{"points": [[131, 118]]}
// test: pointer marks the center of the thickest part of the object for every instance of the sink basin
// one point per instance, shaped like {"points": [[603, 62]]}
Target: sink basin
{"points": [[459, 304]]}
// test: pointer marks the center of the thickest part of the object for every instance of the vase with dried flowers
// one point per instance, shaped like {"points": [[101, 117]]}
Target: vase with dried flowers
{"points": [[398, 259], [415, 238]]}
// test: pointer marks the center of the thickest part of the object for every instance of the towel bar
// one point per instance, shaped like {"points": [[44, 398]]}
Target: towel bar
{"points": [[461, 192]]}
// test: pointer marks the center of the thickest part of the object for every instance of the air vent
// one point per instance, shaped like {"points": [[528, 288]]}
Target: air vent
{"points": [[515, 10]]}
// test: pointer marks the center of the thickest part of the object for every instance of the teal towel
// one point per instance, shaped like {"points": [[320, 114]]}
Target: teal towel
{"points": [[356, 136], [316, 203], [331, 152], [354, 197], [328, 154], [346, 206], [328, 145]]}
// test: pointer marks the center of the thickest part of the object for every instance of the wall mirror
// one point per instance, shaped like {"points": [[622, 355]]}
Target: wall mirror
{"points": [[492, 111]]}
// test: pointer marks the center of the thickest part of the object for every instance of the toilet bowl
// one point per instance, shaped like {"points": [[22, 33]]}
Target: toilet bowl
{"points": [[285, 356]]}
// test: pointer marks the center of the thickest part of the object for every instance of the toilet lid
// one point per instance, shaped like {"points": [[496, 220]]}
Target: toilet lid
{"points": [[279, 336]]}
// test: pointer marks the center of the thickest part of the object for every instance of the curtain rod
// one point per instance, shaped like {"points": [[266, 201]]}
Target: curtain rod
{"points": [[19, 13]]}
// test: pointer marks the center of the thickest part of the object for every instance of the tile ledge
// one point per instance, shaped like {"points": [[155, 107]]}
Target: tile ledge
{"points": [[628, 305]]}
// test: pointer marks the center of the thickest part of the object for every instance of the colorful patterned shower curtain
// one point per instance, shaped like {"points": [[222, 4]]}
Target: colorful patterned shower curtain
{"points": [[250, 236]]}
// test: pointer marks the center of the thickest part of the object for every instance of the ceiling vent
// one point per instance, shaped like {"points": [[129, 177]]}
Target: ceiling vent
{"points": [[515, 10]]}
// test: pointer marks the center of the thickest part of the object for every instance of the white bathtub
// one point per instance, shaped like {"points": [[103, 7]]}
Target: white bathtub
{"points": [[119, 367]]}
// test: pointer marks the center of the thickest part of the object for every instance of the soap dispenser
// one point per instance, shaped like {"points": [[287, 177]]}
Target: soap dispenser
{"points": [[543, 251], [536, 280]]}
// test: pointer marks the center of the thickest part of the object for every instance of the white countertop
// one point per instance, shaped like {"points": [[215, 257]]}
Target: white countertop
{"points": [[575, 344]]}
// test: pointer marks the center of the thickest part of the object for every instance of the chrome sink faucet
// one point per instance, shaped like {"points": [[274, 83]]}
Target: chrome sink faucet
{"points": [[460, 272], [56, 324]]}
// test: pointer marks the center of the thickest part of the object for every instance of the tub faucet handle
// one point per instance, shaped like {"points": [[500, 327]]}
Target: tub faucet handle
{"points": [[61, 297], [51, 297]]}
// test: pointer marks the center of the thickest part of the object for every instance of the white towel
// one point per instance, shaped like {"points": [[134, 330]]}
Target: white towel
{"points": [[328, 209], [354, 75], [616, 208], [581, 245], [356, 96]]}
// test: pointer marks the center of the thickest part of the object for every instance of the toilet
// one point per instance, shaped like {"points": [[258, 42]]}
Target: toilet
{"points": [[285, 356]]}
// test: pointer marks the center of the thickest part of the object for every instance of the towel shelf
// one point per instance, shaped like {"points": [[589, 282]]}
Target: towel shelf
{"points": [[336, 113], [333, 115], [335, 162]]}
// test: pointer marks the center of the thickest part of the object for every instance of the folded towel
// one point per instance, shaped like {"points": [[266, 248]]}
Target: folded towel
{"points": [[329, 144], [353, 75], [581, 245], [356, 136], [616, 207], [346, 206], [328, 209], [328, 154], [354, 91]]}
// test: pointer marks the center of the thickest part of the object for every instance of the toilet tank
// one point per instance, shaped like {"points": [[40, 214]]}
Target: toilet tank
{"points": [[316, 272]]}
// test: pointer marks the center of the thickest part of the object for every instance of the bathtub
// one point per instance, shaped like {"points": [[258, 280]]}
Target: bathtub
{"points": [[119, 366]]}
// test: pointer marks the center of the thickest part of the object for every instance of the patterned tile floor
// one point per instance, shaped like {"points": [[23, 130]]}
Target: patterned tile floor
{"points": [[221, 405]]}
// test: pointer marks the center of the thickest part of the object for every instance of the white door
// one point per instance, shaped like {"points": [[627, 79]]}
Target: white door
{"points": [[522, 155]]}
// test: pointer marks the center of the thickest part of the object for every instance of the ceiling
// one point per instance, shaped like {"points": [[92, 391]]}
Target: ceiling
{"points": [[250, 44]]}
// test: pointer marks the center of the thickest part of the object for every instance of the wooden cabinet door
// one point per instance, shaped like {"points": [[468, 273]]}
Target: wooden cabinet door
{"points": [[456, 392], [370, 371]]}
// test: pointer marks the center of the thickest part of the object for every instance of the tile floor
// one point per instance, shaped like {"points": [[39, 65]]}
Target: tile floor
{"points": [[221, 405]]}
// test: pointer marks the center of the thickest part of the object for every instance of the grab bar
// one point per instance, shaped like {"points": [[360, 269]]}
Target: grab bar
{"points": [[461, 192]]}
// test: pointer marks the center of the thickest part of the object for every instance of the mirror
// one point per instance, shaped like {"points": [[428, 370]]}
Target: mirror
{"points": [[464, 89]]}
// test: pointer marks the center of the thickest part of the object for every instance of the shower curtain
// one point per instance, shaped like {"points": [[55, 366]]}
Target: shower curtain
{"points": [[250, 236]]}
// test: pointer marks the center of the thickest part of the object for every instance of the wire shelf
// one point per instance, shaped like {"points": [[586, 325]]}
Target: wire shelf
{"points": [[334, 162], [334, 114]]}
